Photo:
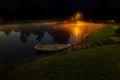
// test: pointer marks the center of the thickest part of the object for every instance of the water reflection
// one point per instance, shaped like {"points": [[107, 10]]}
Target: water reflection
{"points": [[46, 38], [17, 41], [44, 34]]}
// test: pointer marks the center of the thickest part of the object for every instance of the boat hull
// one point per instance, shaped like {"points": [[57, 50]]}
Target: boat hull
{"points": [[52, 47]]}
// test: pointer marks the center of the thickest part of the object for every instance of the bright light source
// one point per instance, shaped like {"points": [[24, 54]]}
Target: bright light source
{"points": [[78, 16]]}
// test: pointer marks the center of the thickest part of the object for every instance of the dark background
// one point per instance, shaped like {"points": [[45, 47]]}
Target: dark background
{"points": [[47, 9]]}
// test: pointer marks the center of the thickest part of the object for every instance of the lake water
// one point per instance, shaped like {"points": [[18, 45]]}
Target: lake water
{"points": [[17, 41]]}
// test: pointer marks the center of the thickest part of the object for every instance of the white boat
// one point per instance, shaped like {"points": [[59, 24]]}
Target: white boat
{"points": [[51, 47]]}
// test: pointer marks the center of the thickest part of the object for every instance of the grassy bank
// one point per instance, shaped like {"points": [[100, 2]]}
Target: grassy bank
{"points": [[106, 32], [100, 63]]}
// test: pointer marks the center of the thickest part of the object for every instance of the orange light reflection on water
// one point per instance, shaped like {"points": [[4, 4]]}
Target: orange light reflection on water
{"points": [[78, 28], [76, 31]]}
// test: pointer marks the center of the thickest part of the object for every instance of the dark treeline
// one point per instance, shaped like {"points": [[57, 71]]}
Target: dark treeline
{"points": [[24, 10]]}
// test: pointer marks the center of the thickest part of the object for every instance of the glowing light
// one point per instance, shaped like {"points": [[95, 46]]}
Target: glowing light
{"points": [[78, 23], [78, 16], [76, 31], [110, 21]]}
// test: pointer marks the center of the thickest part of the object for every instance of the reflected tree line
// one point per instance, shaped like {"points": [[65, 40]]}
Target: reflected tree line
{"points": [[59, 35]]}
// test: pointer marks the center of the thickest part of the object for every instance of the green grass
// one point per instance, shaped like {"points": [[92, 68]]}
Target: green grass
{"points": [[117, 39], [100, 63], [105, 32]]}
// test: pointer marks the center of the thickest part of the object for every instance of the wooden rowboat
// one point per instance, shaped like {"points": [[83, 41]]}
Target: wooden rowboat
{"points": [[51, 47]]}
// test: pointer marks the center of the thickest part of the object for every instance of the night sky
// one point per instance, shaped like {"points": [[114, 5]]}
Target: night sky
{"points": [[38, 9]]}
